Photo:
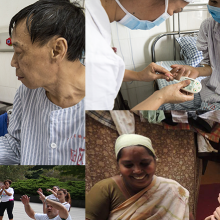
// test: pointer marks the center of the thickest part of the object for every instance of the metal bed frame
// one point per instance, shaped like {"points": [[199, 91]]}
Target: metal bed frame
{"points": [[173, 33]]}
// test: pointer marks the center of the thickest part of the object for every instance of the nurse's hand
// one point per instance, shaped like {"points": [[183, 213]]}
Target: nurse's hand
{"points": [[168, 94], [149, 73], [174, 94], [184, 70]]}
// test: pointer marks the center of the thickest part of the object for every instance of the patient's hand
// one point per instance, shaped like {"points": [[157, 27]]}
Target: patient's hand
{"points": [[174, 94], [184, 70]]}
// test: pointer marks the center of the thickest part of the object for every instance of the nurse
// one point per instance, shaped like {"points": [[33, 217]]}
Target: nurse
{"points": [[105, 70]]}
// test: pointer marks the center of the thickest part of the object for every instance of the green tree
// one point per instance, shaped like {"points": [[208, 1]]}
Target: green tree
{"points": [[74, 171], [37, 171], [14, 172], [30, 187]]}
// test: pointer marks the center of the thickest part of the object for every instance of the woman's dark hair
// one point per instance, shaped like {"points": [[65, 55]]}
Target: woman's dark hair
{"points": [[148, 150], [9, 181], [67, 196], [49, 18]]}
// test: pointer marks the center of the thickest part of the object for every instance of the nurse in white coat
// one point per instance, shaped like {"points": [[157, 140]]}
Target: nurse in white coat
{"points": [[105, 70]]}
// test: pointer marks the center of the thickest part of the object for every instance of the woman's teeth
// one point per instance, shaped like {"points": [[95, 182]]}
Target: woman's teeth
{"points": [[139, 177]]}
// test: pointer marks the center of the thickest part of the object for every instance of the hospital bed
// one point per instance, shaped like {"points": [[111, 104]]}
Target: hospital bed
{"points": [[184, 47]]}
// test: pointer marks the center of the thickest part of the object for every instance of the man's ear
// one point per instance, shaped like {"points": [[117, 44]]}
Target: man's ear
{"points": [[59, 48]]}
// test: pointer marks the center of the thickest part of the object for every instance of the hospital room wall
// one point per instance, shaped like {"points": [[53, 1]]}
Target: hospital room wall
{"points": [[134, 46], [8, 80]]}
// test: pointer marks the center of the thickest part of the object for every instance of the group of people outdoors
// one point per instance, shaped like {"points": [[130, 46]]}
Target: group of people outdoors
{"points": [[55, 206]]}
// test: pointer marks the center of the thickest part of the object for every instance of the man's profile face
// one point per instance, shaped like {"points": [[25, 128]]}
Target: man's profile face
{"points": [[34, 65], [51, 212]]}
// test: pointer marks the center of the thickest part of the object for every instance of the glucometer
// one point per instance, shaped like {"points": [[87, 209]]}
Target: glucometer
{"points": [[194, 86]]}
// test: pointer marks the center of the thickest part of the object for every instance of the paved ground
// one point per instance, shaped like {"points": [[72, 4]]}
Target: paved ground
{"points": [[19, 213]]}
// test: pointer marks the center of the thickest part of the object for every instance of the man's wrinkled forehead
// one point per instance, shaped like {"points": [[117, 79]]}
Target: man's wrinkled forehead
{"points": [[20, 34]]}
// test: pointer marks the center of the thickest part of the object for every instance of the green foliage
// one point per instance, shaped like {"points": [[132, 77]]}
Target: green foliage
{"points": [[75, 171], [30, 187], [14, 172], [38, 170]]}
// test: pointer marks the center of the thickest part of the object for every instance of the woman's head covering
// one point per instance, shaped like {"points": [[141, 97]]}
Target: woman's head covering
{"points": [[190, 1], [127, 140]]}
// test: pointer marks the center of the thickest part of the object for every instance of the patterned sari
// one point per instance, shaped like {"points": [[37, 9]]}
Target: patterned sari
{"points": [[163, 199]]}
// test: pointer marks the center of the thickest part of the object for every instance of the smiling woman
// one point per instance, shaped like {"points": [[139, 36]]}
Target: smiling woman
{"points": [[136, 193]]}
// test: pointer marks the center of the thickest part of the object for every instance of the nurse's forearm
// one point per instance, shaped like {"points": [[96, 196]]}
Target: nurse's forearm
{"points": [[151, 103], [130, 75], [204, 71]]}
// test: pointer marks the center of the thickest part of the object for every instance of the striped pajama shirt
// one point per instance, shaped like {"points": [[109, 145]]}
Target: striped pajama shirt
{"points": [[208, 42], [42, 133]]}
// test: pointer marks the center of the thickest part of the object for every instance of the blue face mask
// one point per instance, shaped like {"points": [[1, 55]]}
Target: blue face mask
{"points": [[215, 12], [134, 23]]}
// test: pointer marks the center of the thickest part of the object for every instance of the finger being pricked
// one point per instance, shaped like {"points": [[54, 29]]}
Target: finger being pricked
{"points": [[167, 74]]}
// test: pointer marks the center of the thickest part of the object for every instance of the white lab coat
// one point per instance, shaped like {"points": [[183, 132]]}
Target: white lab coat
{"points": [[104, 68]]}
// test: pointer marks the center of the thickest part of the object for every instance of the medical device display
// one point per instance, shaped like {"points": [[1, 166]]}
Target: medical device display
{"points": [[194, 86]]}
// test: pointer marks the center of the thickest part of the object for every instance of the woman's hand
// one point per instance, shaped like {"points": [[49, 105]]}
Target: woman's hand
{"points": [[184, 70], [25, 199], [40, 190], [149, 73], [3, 187], [41, 196], [173, 93], [217, 213], [49, 190]]}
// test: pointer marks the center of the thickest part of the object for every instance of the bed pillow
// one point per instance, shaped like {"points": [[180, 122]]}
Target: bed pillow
{"points": [[189, 51]]}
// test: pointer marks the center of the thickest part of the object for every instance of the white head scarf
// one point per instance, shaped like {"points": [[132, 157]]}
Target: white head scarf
{"points": [[190, 1], [127, 140]]}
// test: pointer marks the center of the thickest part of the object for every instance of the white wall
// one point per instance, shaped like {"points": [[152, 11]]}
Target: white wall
{"points": [[8, 79], [138, 43]]}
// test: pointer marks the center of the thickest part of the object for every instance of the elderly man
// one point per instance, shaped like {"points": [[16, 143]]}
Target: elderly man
{"points": [[47, 124], [54, 210]]}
